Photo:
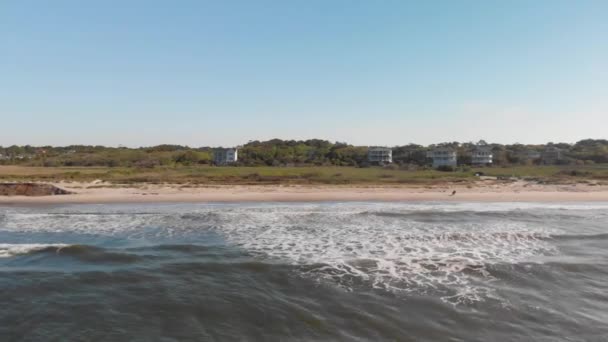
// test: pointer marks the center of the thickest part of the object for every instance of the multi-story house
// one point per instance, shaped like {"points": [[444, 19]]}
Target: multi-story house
{"points": [[380, 155], [443, 156], [481, 155], [224, 156]]}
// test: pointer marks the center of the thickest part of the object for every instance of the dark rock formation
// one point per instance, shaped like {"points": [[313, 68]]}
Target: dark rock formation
{"points": [[30, 189]]}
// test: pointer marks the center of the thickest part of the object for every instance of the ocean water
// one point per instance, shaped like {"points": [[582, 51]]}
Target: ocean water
{"points": [[305, 272]]}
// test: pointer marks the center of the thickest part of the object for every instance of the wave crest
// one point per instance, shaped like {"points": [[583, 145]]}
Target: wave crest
{"points": [[11, 250]]}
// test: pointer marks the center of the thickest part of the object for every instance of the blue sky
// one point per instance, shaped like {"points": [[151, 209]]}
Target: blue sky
{"points": [[366, 72]]}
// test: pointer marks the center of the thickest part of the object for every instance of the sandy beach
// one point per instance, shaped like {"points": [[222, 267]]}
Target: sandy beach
{"points": [[99, 192]]}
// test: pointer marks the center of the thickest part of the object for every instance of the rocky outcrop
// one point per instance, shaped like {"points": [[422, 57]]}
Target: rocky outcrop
{"points": [[30, 189]]}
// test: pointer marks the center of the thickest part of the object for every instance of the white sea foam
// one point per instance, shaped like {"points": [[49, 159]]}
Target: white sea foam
{"points": [[10, 250], [392, 253], [402, 247]]}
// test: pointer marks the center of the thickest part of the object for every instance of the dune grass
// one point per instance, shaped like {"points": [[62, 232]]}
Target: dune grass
{"points": [[201, 175]]}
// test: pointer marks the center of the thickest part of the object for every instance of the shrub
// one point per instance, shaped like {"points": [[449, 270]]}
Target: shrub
{"points": [[573, 173], [445, 168], [146, 163]]}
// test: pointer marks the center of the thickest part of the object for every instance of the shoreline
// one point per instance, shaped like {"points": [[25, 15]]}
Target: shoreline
{"points": [[96, 193]]}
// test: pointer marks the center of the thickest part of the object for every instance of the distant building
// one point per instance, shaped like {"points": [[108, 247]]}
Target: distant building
{"points": [[531, 155], [551, 155], [224, 156], [481, 155], [443, 156], [380, 155]]}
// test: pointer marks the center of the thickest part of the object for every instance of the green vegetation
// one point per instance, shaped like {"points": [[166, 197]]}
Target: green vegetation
{"points": [[285, 153], [292, 162], [210, 175]]}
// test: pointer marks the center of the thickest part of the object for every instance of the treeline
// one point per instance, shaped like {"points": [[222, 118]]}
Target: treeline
{"points": [[278, 152]]}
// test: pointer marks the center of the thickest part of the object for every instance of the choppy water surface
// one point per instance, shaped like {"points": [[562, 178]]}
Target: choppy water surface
{"points": [[341, 271]]}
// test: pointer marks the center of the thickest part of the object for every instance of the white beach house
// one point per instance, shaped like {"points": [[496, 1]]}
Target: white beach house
{"points": [[224, 156], [380, 155], [481, 155], [443, 156]]}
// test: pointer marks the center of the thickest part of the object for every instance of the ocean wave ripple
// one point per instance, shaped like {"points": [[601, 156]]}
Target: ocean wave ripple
{"points": [[445, 250]]}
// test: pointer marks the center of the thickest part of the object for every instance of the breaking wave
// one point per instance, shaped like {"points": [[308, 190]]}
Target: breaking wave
{"points": [[10, 250], [444, 249]]}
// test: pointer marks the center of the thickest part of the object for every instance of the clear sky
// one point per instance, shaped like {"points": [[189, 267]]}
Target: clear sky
{"points": [[208, 73]]}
